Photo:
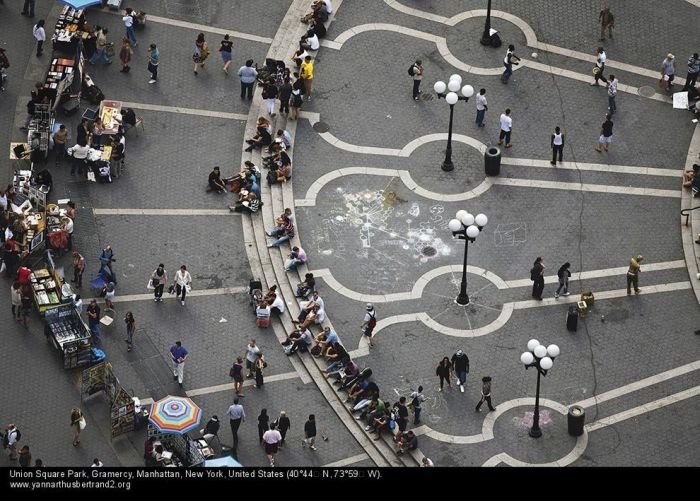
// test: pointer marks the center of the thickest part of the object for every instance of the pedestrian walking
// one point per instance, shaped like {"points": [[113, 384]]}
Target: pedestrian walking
{"points": [[251, 356], [481, 107], [260, 364], [106, 259], [563, 274], [178, 355], [508, 61], [310, 433], [125, 54], [183, 283], [369, 323], [96, 463], [93, 313], [444, 372], [282, 424], [416, 71], [101, 51], [159, 278], [693, 71], [128, 20], [557, 143], [12, 435], [263, 424], [606, 132], [668, 72], [237, 374], [16, 297], [78, 269], [506, 128], [612, 93], [25, 457], [109, 293], [236, 416], [248, 75], [633, 274], [226, 50], [601, 58], [272, 439], [537, 277], [28, 9], [607, 22], [40, 36], [200, 53], [77, 424], [27, 303], [417, 398], [460, 366], [153, 59], [130, 328], [426, 462], [307, 75], [485, 394]]}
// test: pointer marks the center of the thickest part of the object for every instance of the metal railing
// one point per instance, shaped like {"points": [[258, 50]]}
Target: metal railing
{"points": [[686, 213]]}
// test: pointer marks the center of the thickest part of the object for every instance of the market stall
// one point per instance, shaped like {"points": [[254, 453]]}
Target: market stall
{"points": [[47, 289], [71, 28], [122, 415], [28, 221], [110, 116], [69, 335], [170, 420]]}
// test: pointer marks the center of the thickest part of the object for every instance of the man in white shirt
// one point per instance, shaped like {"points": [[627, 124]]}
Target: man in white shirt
{"points": [[129, 25], [79, 152], [600, 64], [481, 107], [251, 354], [183, 281], [278, 304], [506, 127], [310, 41], [40, 36], [272, 438]]}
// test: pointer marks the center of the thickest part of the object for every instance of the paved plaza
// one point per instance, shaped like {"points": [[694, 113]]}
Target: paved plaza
{"points": [[372, 207]]}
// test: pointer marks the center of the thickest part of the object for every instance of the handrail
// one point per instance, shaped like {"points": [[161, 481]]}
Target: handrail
{"points": [[685, 212]]}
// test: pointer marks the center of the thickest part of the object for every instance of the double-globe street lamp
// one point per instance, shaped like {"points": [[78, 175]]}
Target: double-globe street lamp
{"points": [[466, 227], [449, 92], [541, 358]]}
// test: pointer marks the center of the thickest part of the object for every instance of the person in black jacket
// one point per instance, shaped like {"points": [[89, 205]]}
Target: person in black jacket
{"points": [[563, 275], [283, 425], [460, 365], [310, 433], [537, 277]]}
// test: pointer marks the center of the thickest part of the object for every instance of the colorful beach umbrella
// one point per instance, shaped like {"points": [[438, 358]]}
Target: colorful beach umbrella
{"points": [[175, 415], [80, 4]]}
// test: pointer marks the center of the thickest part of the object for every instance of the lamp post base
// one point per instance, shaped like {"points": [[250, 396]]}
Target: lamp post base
{"points": [[535, 432], [462, 300], [448, 166], [485, 40]]}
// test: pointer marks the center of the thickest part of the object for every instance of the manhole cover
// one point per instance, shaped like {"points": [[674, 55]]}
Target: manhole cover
{"points": [[321, 127], [429, 251], [646, 91], [427, 97]]}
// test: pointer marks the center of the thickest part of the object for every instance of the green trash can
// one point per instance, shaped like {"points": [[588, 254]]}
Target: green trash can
{"points": [[492, 161], [576, 420]]}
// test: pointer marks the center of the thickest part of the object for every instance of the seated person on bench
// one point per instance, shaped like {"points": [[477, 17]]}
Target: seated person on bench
{"points": [[301, 340]]}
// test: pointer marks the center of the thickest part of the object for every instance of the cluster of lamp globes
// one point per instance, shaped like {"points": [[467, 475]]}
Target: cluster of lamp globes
{"points": [[464, 219], [453, 87], [545, 355]]}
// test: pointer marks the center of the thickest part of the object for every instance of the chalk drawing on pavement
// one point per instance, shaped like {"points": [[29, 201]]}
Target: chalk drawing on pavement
{"points": [[510, 234]]}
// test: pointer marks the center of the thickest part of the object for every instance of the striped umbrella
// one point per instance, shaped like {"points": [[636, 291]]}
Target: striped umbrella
{"points": [[80, 4], [175, 415]]}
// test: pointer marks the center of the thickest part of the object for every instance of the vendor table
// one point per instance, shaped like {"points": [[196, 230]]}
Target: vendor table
{"points": [[109, 116]]}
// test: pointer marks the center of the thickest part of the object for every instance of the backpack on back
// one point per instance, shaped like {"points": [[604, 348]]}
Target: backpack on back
{"points": [[372, 321], [533, 273], [410, 70]]}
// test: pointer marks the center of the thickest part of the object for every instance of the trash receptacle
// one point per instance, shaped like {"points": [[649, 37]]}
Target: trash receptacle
{"points": [[576, 420], [492, 161]]}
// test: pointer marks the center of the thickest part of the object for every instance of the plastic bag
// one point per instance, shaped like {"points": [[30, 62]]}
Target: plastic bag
{"points": [[150, 285]]}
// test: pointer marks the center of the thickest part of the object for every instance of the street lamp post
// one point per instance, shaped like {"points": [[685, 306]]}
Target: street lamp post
{"points": [[542, 358], [486, 36], [449, 92], [466, 227]]}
